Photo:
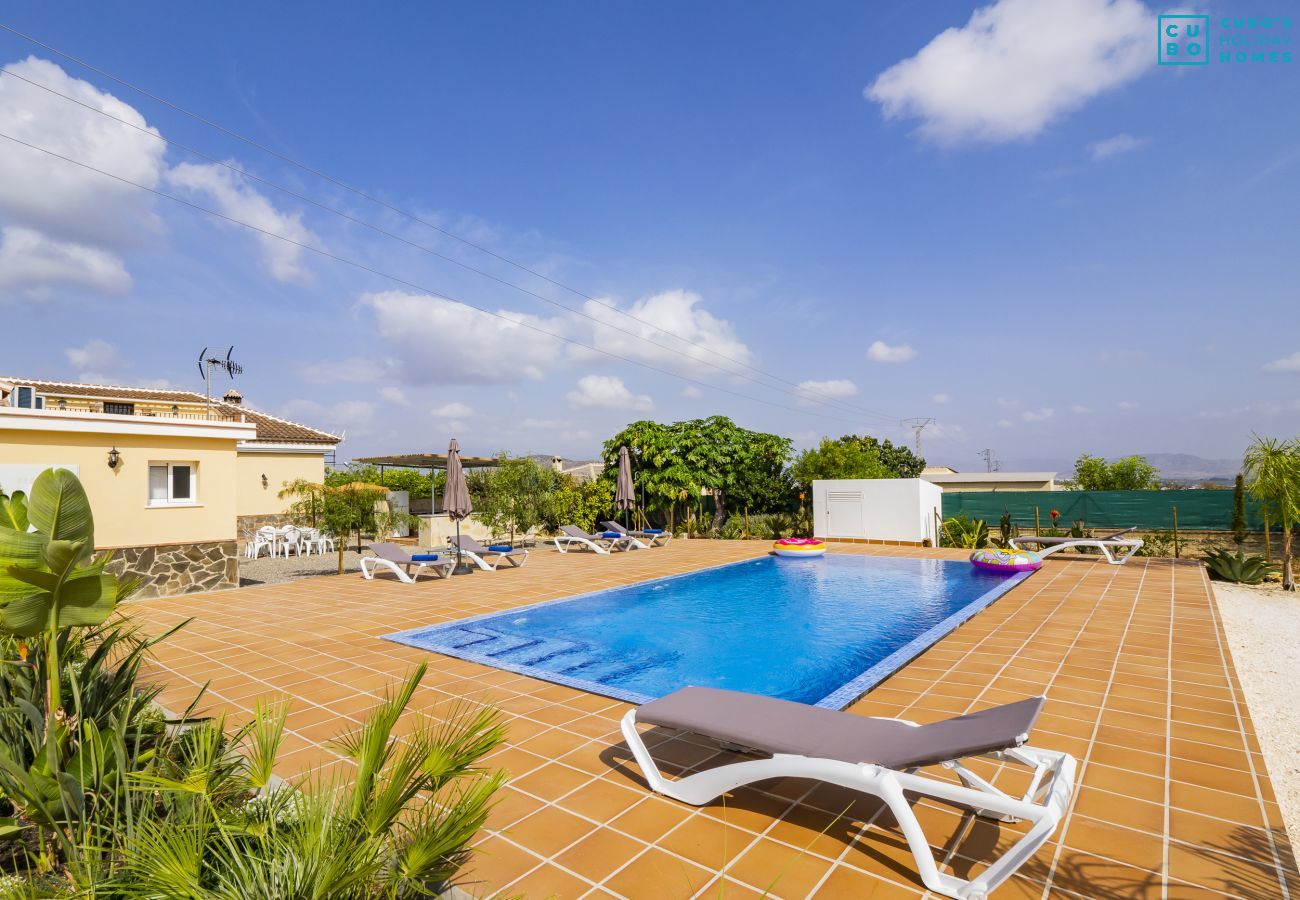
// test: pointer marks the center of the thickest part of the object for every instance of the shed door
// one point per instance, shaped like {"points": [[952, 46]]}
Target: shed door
{"points": [[844, 514]]}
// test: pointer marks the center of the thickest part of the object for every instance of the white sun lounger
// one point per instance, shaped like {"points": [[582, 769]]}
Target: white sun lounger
{"points": [[656, 539], [1116, 549], [572, 535], [398, 561], [877, 756], [479, 555]]}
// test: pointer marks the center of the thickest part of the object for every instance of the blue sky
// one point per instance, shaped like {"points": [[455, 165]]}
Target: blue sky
{"points": [[1052, 244]]}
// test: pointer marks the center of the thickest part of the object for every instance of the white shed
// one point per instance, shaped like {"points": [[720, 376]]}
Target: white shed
{"points": [[893, 510]]}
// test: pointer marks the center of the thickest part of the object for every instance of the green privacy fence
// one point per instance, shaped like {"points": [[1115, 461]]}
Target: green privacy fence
{"points": [[1197, 510]]}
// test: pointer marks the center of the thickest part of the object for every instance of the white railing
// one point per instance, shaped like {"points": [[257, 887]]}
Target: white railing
{"points": [[149, 413]]}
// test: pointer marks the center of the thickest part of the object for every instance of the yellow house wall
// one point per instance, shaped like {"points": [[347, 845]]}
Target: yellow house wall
{"points": [[120, 498], [255, 500]]}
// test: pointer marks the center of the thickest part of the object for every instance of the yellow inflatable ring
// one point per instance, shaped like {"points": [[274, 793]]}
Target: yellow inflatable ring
{"points": [[804, 548]]}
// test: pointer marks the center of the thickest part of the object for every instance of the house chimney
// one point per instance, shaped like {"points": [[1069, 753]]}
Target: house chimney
{"points": [[233, 397]]}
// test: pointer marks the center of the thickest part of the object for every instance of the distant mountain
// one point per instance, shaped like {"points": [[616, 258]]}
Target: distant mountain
{"points": [[1186, 467]]}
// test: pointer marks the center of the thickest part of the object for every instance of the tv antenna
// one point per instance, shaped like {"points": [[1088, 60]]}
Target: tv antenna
{"points": [[217, 358], [918, 425], [990, 458]]}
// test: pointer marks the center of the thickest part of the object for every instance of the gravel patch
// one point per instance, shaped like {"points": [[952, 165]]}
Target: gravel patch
{"points": [[277, 569], [1263, 628]]}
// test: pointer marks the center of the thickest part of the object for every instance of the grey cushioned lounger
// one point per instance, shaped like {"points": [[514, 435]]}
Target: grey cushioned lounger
{"points": [[882, 757], [779, 726]]}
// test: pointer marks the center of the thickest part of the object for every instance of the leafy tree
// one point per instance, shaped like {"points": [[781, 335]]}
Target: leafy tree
{"points": [[677, 462], [418, 484], [842, 458], [581, 503], [1272, 470], [514, 496], [340, 509], [898, 460], [661, 474], [1129, 473]]}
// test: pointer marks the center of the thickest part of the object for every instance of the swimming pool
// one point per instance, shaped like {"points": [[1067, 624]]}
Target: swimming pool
{"points": [[821, 631]]}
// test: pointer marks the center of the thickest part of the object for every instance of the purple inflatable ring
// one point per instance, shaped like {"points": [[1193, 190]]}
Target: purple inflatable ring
{"points": [[1006, 561]]}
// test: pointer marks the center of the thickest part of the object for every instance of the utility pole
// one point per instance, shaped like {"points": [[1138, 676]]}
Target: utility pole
{"points": [[918, 425]]}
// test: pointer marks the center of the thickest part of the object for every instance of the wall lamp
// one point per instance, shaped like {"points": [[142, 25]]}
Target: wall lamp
{"points": [[114, 458], [265, 482]]}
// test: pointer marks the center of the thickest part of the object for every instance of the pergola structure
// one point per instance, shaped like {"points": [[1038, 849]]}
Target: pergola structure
{"points": [[433, 462]]}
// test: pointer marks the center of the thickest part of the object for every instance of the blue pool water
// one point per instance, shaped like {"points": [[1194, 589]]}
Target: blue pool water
{"points": [[821, 631]]}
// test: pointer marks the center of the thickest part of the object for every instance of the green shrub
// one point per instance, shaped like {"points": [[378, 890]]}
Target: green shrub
{"points": [[1158, 542], [101, 798], [1237, 568], [964, 532]]}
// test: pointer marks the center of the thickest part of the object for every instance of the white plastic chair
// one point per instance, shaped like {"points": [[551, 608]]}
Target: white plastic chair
{"points": [[291, 538], [309, 540], [323, 540], [256, 540]]}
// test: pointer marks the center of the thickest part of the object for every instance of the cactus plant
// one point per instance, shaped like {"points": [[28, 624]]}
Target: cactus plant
{"points": [[1237, 568]]}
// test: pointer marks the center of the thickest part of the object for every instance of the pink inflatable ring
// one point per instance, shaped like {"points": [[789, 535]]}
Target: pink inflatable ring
{"points": [[799, 547], [1007, 561]]}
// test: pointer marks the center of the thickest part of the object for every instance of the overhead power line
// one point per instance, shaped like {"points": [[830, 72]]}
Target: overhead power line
{"points": [[411, 284], [800, 392], [803, 392]]}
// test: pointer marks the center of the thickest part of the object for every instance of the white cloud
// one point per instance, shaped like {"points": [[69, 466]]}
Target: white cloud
{"points": [[1128, 404], [1005, 423], [96, 353], [32, 262], [692, 392], [63, 224], [941, 398], [1041, 414], [608, 392], [813, 391], [99, 362], [1016, 66], [881, 352], [1007, 401], [1286, 364], [342, 416], [1080, 410], [545, 424], [711, 340], [453, 410], [1115, 146], [233, 196], [394, 395], [446, 342]]}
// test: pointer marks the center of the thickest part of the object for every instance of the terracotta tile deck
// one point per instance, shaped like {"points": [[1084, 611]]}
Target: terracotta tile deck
{"points": [[1174, 797]]}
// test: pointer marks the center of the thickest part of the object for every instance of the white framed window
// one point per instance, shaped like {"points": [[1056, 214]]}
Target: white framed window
{"points": [[173, 484], [25, 397]]}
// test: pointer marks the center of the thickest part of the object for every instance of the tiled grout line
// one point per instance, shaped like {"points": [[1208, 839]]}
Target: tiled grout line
{"points": [[1080, 629], [1079, 632], [1092, 739], [1217, 622], [1169, 734]]}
